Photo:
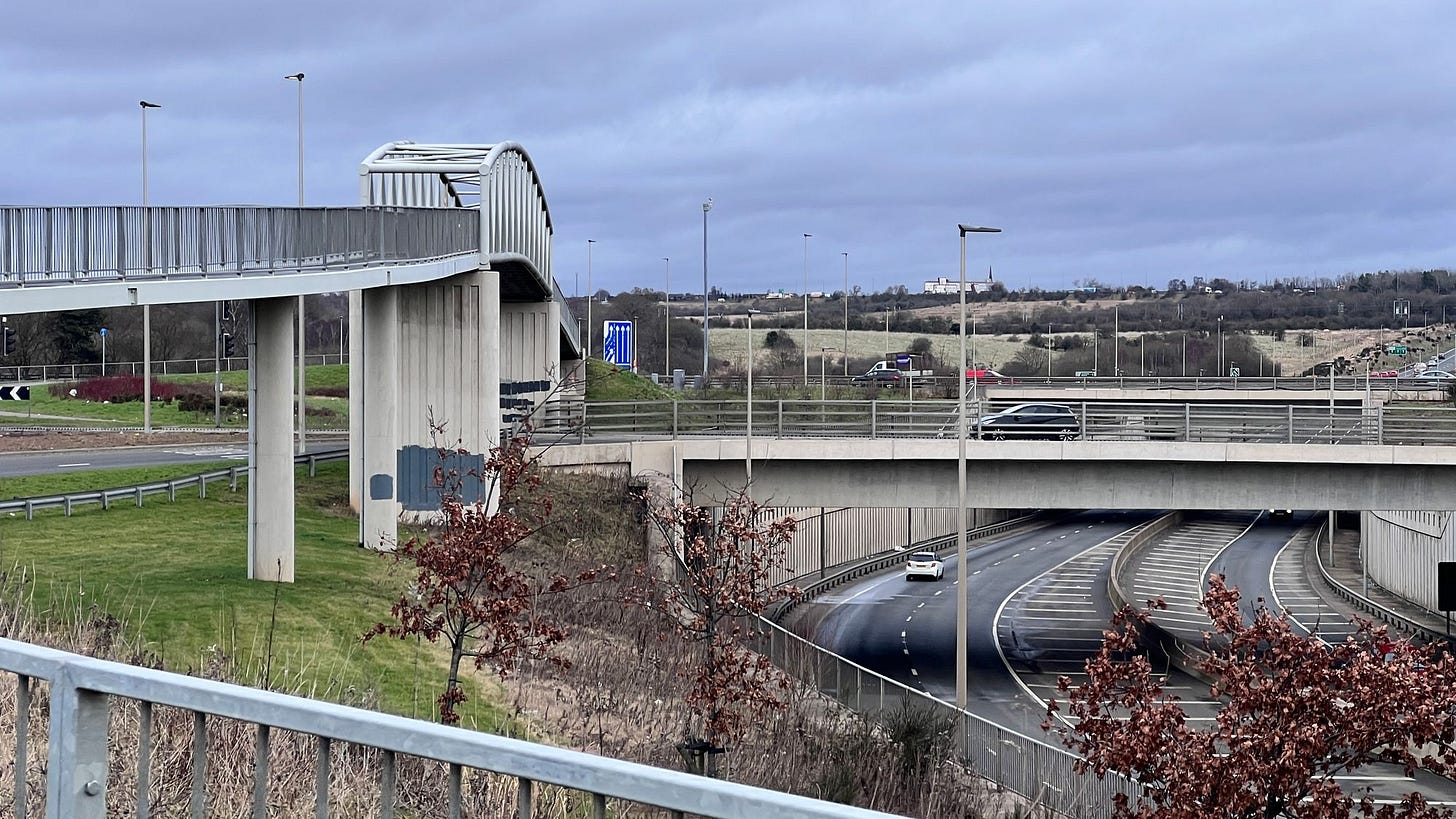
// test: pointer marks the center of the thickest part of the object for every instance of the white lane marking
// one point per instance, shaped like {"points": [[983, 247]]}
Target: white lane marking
{"points": [[914, 673], [902, 635], [921, 606], [907, 651], [63, 466], [911, 617]]}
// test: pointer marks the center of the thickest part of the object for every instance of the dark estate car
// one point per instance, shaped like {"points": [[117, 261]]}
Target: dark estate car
{"points": [[1050, 421]]}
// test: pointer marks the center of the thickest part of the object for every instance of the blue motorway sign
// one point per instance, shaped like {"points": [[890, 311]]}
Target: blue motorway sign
{"points": [[617, 343]]}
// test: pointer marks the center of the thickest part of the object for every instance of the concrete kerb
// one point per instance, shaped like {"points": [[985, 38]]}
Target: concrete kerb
{"points": [[1179, 652]]}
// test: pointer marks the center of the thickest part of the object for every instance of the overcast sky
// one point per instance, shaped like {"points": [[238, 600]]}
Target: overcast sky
{"points": [[1130, 142]]}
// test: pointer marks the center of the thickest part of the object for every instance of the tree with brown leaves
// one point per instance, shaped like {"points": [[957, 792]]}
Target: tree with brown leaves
{"points": [[1297, 713], [466, 588], [723, 576]]}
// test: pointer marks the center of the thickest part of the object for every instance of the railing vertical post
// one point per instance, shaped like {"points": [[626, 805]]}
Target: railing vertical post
{"points": [[781, 417], [523, 798], [674, 420], [260, 773], [874, 416], [144, 759], [1289, 439], [321, 778], [199, 765], [1380, 425], [76, 776], [823, 527], [22, 740], [1187, 422], [452, 796], [386, 786]]}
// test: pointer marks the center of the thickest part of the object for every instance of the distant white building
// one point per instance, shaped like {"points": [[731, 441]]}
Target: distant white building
{"points": [[944, 285]]}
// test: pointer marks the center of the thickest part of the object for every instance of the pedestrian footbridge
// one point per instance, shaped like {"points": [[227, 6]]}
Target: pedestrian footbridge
{"points": [[454, 312]]}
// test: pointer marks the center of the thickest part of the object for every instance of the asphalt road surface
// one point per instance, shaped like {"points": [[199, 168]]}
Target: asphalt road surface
{"points": [[18, 464]]}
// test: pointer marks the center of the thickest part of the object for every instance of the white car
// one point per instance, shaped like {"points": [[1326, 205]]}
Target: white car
{"points": [[924, 564]]}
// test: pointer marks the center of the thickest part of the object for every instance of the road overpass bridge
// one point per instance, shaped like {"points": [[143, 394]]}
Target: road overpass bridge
{"points": [[453, 308], [895, 472]]}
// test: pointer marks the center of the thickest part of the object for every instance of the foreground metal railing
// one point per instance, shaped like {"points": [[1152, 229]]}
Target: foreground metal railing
{"points": [[82, 692], [937, 418], [67, 245]]}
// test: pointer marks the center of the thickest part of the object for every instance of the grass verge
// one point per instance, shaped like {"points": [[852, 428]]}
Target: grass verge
{"points": [[178, 574], [29, 486]]}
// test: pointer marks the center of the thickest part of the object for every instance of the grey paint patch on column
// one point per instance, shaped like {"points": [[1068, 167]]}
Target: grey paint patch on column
{"points": [[381, 486], [424, 475]]}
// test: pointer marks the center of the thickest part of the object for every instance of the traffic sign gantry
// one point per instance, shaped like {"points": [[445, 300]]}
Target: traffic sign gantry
{"points": [[14, 393]]}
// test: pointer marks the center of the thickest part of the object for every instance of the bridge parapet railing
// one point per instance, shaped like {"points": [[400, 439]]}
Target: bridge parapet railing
{"points": [[1097, 420], [67, 245]]}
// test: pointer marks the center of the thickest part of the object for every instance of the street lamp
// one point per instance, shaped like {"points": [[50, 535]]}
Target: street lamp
{"points": [[667, 317], [302, 344], [707, 206], [1116, 345], [822, 388], [147, 260], [845, 348], [748, 452], [962, 617], [1220, 346], [806, 308], [589, 291]]}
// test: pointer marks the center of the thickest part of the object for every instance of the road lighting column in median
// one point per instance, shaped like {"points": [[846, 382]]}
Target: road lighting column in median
{"points": [[845, 348], [806, 309], [962, 617], [748, 450], [707, 206]]}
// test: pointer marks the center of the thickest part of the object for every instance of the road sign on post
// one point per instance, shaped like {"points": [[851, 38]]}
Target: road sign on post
{"points": [[1396, 349], [1233, 372], [902, 360], [14, 393], [617, 343]]}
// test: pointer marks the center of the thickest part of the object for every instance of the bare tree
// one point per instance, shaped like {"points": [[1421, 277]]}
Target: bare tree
{"points": [[723, 576], [466, 589], [1297, 714]]}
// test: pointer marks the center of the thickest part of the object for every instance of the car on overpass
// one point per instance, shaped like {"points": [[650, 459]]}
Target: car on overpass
{"points": [[924, 564], [1049, 421]]}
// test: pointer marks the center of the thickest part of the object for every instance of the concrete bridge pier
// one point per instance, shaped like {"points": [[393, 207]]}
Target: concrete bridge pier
{"points": [[530, 335], [377, 387], [270, 439]]}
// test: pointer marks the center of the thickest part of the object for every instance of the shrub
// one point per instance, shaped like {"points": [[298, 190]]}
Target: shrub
{"points": [[115, 389]]}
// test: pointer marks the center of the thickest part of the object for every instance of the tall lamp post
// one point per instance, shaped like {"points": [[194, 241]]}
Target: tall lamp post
{"points": [[302, 343], [1220, 346], [962, 617], [147, 258], [748, 438], [707, 206], [806, 308], [845, 348], [589, 291], [667, 317]]}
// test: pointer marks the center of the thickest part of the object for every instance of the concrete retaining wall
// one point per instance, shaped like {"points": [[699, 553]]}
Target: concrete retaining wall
{"points": [[1401, 550]]}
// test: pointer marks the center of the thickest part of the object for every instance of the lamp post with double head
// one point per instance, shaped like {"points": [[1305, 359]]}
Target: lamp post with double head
{"points": [[962, 624], [302, 345], [146, 260]]}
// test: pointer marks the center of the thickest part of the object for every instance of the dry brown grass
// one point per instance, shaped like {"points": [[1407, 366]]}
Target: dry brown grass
{"points": [[620, 698]]}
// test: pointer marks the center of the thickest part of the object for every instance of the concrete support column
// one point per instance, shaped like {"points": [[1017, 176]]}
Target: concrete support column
{"points": [[270, 416], [490, 358], [356, 403], [379, 396], [552, 343]]}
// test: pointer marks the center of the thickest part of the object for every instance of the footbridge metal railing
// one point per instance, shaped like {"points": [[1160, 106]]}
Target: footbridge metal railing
{"points": [[70, 245], [83, 692]]}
